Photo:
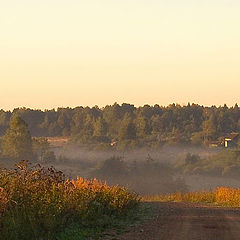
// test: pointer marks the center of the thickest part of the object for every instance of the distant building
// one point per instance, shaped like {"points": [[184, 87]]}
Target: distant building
{"points": [[214, 144], [231, 140], [57, 142], [113, 143], [217, 143]]}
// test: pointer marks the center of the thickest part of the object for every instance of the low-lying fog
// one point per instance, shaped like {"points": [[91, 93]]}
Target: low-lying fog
{"points": [[147, 172], [168, 170]]}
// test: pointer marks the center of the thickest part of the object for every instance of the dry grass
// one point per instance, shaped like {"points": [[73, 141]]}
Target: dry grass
{"points": [[222, 196], [228, 196], [35, 201], [204, 197]]}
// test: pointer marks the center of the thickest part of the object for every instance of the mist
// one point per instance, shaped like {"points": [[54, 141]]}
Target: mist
{"points": [[147, 172]]}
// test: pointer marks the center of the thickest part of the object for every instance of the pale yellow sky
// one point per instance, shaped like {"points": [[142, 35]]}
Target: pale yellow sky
{"points": [[57, 53]]}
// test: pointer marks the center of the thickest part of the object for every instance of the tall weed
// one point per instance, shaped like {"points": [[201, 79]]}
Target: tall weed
{"points": [[38, 203]]}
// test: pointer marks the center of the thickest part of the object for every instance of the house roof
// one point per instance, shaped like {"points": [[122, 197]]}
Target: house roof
{"points": [[232, 136]]}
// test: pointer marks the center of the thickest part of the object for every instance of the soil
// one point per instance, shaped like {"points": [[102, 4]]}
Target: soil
{"points": [[185, 221]]}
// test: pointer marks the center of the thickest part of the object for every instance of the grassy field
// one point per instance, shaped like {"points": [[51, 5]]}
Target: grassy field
{"points": [[39, 203], [222, 196]]}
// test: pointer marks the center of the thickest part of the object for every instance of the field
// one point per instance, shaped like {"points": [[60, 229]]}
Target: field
{"points": [[222, 196], [39, 203]]}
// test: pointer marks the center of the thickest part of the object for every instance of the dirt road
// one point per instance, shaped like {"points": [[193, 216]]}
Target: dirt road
{"points": [[180, 221]]}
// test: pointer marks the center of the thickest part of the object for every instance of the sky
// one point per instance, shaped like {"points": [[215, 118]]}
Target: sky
{"points": [[68, 53]]}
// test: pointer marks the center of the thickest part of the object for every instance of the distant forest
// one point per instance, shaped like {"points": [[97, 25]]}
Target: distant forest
{"points": [[131, 126]]}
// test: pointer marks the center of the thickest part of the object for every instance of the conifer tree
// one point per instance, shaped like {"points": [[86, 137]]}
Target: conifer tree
{"points": [[17, 142]]}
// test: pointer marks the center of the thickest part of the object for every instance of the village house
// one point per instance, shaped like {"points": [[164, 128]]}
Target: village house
{"points": [[231, 140], [215, 144]]}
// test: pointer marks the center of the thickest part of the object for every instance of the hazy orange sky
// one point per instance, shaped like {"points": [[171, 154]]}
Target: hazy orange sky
{"points": [[56, 53]]}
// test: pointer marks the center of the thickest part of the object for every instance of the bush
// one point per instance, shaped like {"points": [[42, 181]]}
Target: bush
{"points": [[225, 163], [145, 177], [39, 203]]}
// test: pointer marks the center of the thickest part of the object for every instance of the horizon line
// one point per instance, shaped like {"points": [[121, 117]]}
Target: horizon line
{"points": [[120, 104]]}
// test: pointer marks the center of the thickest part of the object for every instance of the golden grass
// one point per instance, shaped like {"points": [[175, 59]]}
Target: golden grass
{"points": [[228, 196], [39, 201], [222, 196]]}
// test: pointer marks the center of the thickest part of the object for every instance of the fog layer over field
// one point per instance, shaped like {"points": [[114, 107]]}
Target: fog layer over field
{"points": [[147, 172]]}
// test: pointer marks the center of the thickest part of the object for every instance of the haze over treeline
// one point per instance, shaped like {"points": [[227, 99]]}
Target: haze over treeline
{"points": [[129, 125], [167, 156]]}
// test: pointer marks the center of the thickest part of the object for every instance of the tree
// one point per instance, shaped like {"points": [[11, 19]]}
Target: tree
{"points": [[100, 127], [209, 127], [17, 142], [112, 116], [41, 149], [143, 127], [197, 138], [127, 128]]}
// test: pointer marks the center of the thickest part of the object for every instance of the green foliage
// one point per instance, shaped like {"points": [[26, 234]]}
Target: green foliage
{"points": [[112, 167], [145, 177], [116, 225], [100, 127], [127, 128], [225, 163], [197, 138], [17, 142], [209, 128], [41, 149], [148, 126]]}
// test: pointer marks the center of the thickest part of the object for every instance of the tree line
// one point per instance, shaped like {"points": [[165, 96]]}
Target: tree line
{"points": [[129, 125]]}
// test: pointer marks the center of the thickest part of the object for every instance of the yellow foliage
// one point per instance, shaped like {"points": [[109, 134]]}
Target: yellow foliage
{"points": [[44, 200], [228, 196], [222, 196]]}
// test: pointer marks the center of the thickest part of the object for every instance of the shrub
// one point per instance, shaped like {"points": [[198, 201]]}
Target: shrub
{"points": [[38, 203]]}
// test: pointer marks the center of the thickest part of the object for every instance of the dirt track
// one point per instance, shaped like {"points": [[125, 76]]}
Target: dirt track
{"points": [[180, 221]]}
